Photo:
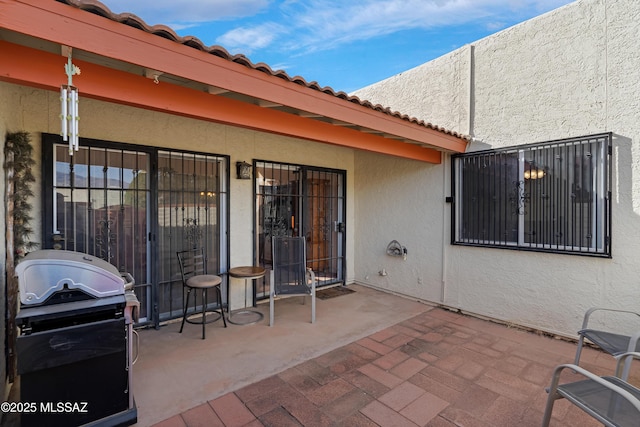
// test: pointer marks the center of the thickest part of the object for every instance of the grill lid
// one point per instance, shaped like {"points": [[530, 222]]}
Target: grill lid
{"points": [[45, 272]]}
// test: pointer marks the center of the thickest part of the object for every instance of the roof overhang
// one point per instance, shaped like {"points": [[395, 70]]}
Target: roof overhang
{"points": [[119, 64]]}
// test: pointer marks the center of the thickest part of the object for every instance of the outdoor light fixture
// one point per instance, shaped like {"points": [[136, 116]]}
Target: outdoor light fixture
{"points": [[69, 107], [534, 173], [243, 170]]}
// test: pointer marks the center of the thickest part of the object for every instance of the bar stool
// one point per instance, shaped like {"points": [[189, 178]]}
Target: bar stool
{"points": [[195, 277]]}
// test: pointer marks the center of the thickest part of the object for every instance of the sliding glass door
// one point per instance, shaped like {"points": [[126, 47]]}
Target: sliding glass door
{"points": [[296, 200], [135, 207]]}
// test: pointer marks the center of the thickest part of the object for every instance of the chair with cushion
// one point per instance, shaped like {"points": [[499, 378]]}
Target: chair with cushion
{"points": [[610, 399], [609, 341], [290, 275], [195, 278]]}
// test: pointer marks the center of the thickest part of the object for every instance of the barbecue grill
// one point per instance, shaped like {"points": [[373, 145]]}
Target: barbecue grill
{"points": [[74, 351]]}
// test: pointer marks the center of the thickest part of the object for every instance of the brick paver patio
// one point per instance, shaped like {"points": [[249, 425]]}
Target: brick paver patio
{"points": [[439, 369]]}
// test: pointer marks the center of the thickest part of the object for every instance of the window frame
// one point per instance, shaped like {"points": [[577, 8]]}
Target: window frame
{"points": [[515, 194]]}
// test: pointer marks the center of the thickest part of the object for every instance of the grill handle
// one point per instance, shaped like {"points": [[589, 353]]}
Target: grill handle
{"points": [[129, 281], [135, 359]]}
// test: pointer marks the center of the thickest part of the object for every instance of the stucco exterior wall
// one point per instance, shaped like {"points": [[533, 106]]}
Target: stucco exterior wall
{"points": [[37, 111], [399, 199], [571, 72]]}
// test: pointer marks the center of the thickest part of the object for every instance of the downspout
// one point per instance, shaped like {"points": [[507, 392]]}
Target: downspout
{"points": [[443, 284], [446, 172]]}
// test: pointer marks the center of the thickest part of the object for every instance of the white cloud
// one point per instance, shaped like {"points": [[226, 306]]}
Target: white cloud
{"points": [[309, 25], [186, 12], [323, 24], [247, 39]]}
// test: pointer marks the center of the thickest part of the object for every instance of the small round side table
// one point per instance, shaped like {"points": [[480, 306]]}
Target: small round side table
{"points": [[245, 316]]}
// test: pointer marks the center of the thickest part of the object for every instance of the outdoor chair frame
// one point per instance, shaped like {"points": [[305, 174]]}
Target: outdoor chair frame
{"points": [[610, 399], [290, 275], [613, 343]]}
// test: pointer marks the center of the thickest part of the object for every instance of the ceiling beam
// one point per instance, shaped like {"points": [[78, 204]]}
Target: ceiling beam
{"points": [[268, 104], [216, 90]]}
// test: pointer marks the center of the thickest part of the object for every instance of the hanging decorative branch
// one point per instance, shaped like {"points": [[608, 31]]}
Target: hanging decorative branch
{"points": [[18, 180], [18, 164]]}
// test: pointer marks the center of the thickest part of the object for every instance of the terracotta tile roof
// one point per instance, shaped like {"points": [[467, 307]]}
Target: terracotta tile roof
{"points": [[132, 20]]}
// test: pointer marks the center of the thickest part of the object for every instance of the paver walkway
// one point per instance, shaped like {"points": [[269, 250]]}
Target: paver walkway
{"points": [[439, 369]]}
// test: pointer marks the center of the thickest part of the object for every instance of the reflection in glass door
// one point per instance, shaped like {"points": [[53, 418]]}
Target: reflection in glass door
{"points": [[294, 200], [99, 206], [192, 201], [136, 207]]}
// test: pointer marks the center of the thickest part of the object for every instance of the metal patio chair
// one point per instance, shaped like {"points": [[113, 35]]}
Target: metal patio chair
{"points": [[195, 278], [611, 399], [290, 275], [611, 342]]}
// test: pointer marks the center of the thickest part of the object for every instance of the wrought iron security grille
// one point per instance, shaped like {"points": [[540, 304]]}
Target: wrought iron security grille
{"points": [[97, 204], [294, 200], [192, 205], [135, 207], [552, 196]]}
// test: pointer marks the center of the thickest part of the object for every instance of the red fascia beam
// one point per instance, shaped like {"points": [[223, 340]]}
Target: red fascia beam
{"points": [[31, 67], [66, 25]]}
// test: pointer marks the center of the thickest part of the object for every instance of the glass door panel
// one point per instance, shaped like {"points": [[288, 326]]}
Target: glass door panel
{"points": [[135, 208], [294, 200], [191, 199], [100, 208]]}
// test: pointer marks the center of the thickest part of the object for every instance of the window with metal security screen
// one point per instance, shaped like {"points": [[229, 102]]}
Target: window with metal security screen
{"points": [[553, 196]]}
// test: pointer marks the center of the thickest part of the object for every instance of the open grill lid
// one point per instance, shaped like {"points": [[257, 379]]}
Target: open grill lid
{"points": [[43, 273]]}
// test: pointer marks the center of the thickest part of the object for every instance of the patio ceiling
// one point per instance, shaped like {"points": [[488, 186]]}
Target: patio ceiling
{"points": [[120, 57]]}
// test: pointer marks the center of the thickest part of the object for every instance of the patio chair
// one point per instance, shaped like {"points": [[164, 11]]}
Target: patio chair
{"points": [[611, 399], [290, 275], [611, 342], [194, 277]]}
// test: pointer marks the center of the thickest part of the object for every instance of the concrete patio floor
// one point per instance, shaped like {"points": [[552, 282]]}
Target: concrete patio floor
{"points": [[370, 359]]}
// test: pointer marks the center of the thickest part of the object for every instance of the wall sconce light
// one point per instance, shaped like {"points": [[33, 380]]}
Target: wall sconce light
{"points": [[243, 170]]}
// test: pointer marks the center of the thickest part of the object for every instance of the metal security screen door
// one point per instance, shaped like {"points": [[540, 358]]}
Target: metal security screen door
{"points": [[97, 203], [192, 206], [294, 200], [135, 207]]}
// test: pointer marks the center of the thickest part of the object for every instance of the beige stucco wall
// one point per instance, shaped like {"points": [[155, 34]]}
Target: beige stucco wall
{"points": [[37, 111], [574, 71], [400, 200]]}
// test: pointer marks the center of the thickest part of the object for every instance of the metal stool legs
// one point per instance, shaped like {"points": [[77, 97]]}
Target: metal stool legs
{"points": [[219, 292], [204, 308], [184, 312]]}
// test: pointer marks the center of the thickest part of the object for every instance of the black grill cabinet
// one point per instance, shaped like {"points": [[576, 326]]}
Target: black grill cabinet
{"points": [[74, 357]]}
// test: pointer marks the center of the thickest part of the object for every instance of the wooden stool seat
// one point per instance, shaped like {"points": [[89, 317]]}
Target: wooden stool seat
{"points": [[204, 281]]}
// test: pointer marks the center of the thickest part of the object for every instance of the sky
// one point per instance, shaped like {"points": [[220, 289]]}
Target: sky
{"points": [[343, 44]]}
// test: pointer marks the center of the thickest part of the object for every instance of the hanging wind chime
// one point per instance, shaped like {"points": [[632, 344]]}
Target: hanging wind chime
{"points": [[69, 107]]}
